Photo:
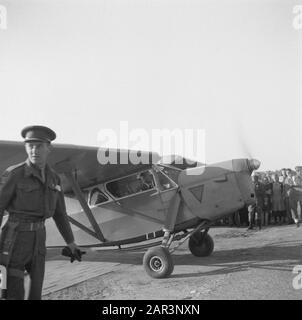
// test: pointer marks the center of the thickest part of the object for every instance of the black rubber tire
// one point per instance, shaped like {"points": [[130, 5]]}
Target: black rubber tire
{"points": [[158, 262], [201, 245]]}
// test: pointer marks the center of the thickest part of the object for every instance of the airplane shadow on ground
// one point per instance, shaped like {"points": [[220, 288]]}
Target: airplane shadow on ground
{"points": [[282, 256]]}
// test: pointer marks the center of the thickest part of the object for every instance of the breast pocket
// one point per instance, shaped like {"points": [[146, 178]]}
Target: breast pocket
{"points": [[29, 197]]}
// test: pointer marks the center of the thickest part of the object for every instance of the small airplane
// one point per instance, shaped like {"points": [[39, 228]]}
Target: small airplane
{"points": [[123, 204]]}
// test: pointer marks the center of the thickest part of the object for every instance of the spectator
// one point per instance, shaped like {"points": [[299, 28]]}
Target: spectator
{"points": [[278, 207], [287, 184], [267, 201], [295, 196], [255, 211], [298, 182]]}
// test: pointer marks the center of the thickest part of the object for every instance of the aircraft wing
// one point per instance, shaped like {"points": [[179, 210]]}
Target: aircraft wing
{"points": [[180, 162], [81, 160]]}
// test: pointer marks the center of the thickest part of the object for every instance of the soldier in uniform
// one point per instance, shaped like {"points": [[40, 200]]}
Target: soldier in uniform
{"points": [[31, 192]]}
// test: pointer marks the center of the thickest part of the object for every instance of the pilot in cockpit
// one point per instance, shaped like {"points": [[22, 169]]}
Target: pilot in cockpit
{"points": [[146, 180]]}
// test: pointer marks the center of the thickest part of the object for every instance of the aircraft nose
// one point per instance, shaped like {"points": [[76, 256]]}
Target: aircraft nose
{"points": [[254, 164]]}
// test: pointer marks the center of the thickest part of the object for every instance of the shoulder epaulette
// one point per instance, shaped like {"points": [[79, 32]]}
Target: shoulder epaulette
{"points": [[13, 168]]}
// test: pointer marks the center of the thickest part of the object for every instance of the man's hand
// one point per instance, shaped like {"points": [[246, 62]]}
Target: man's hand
{"points": [[76, 251], [73, 251]]}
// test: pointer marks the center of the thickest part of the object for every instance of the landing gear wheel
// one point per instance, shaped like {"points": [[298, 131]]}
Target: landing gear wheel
{"points": [[158, 262], [201, 245]]}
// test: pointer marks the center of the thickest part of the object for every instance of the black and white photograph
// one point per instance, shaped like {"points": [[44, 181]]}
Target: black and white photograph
{"points": [[150, 150]]}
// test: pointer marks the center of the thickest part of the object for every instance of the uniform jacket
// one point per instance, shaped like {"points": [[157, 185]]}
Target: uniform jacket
{"points": [[25, 196]]}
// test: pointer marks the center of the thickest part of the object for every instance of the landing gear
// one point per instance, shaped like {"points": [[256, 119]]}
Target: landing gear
{"points": [[158, 262], [201, 244]]}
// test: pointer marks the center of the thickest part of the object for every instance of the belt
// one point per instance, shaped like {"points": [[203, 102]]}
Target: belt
{"points": [[31, 226], [20, 213]]}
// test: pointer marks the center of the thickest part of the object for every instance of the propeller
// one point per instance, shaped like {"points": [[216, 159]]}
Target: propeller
{"points": [[253, 163]]}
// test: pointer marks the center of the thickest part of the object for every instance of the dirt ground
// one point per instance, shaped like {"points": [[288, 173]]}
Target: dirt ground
{"points": [[244, 265]]}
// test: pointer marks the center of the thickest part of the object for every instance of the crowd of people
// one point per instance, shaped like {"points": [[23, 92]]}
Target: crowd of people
{"points": [[278, 200]]}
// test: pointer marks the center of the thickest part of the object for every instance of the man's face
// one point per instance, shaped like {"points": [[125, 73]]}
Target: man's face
{"points": [[37, 152]]}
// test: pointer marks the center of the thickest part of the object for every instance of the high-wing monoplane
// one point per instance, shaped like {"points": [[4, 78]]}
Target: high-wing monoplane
{"points": [[121, 204]]}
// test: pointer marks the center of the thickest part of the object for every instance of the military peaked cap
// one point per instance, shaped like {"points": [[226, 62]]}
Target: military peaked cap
{"points": [[38, 133]]}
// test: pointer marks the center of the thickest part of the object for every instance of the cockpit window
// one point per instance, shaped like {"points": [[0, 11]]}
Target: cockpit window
{"points": [[172, 173], [130, 185], [164, 182], [96, 196]]}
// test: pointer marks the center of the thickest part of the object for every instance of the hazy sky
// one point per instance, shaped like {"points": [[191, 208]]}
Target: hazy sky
{"points": [[232, 68]]}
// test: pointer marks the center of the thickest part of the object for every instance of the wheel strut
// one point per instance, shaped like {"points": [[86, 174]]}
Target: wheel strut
{"points": [[167, 239], [190, 233]]}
